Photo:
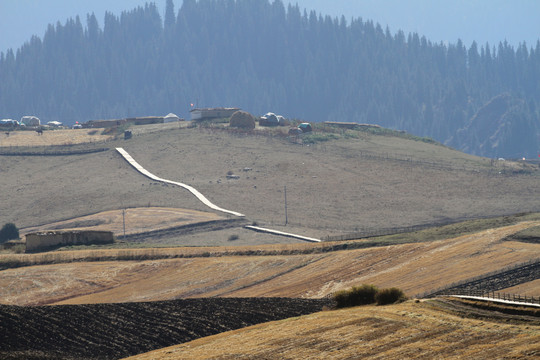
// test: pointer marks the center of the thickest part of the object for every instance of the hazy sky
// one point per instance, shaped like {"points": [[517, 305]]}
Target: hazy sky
{"points": [[439, 20]]}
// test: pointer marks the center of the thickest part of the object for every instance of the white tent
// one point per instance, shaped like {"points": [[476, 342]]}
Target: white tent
{"points": [[171, 118], [30, 121]]}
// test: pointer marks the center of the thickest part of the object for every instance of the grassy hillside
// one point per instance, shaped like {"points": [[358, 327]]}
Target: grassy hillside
{"points": [[406, 331], [358, 180]]}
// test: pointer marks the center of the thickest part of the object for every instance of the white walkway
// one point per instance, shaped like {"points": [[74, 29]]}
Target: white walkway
{"points": [[502, 301], [194, 191], [204, 200], [281, 233]]}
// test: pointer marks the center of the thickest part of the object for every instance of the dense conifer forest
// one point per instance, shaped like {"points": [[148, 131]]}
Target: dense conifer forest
{"points": [[262, 56]]}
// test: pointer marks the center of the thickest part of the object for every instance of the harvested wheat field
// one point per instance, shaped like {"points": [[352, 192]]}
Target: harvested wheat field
{"points": [[406, 331], [528, 289], [55, 137], [58, 137], [264, 271]]}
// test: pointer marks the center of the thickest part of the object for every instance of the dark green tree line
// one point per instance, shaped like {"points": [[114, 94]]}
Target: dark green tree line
{"points": [[262, 56]]}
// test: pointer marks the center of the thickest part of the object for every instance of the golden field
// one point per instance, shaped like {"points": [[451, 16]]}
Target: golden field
{"points": [[406, 331], [254, 271]]}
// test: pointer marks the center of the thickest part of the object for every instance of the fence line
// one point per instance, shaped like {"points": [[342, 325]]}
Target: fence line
{"points": [[375, 232], [383, 232], [460, 285], [52, 153], [495, 295]]}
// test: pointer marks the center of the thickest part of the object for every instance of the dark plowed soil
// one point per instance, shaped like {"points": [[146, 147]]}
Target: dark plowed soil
{"points": [[499, 281], [111, 331]]}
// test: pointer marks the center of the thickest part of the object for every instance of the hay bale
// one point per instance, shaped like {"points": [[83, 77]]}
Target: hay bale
{"points": [[242, 120]]}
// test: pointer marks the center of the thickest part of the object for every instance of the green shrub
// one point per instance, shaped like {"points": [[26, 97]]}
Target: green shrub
{"points": [[242, 120], [357, 295], [318, 137], [389, 296], [9, 232], [367, 294], [233, 237]]}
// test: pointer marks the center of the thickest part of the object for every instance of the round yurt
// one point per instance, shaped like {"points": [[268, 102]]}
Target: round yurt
{"points": [[30, 121], [171, 118]]}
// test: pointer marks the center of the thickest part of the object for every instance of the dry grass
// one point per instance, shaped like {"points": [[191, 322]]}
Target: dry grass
{"points": [[53, 137], [405, 331], [529, 289], [332, 187], [137, 220], [77, 136], [201, 272]]}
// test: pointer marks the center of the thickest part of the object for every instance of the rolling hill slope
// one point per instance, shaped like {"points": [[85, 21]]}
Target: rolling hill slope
{"points": [[343, 182], [260, 271], [359, 181], [406, 331]]}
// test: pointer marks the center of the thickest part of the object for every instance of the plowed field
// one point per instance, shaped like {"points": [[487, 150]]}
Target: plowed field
{"points": [[111, 331]]}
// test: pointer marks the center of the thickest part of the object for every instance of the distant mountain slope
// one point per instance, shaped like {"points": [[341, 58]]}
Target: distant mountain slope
{"points": [[262, 56], [502, 127]]}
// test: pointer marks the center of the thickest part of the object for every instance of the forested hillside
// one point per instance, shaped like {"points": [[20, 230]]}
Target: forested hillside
{"points": [[261, 56]]}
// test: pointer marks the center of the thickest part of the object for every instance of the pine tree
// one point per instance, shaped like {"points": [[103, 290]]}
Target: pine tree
{"points": [[170, 18]]}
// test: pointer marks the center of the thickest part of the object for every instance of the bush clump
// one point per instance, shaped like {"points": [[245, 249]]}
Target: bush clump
{"points": [[242, 120], [357, 295], [389, 296], [367, 294], [9, 232]]}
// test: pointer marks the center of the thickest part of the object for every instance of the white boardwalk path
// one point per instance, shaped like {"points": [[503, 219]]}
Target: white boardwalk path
{"points": [[204, 200], [502, 301], [281, 233], [191, 189]]}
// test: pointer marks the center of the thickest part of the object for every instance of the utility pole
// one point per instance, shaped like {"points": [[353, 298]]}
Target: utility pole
{"points": [[286, 218]]}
